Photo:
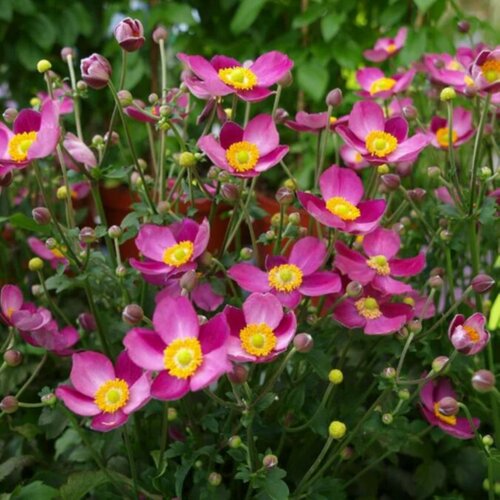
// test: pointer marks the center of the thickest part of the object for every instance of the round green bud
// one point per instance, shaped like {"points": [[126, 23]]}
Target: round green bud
{"points": [[335, 377], [234, 442], [448, 94], [214, 479], [187, 159], [337, 429], [404, 394], [487, 440], [387, 418], [35, 264], [172, 414], [43, 65], [62, 193]]}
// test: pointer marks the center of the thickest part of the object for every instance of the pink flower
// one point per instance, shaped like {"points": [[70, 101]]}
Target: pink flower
{"points": [[430, 396], [468, 336], [55, 256], [352, 158], [379, 140], [80, 190], [261, 331], [106, 393], [79, 151], [96, 71], [170, 250], [245, 152], [375, 84], [443, 194], [34, 135], [129, 34], [485, 71], [62, 97], [11, 301], [290, 279], [379, 265], [387, 47], [313, 122], [373, 313], [340, 206], [48, 336], [225, 75], [187, 356], [462, 129], [421, 308], [397, 105]]}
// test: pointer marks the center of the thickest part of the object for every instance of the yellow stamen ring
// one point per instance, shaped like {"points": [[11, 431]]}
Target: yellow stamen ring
{"points": [[182, 357], [20, 144], [472, 333], [112, 395], [380, 143], [368, 308], [447, 419], [380, 264], [342, 208], [258, 339], [491, 70], [285, 278], [443, 136], [242, 156], [382, 84], [177, 255], [238, 77]]}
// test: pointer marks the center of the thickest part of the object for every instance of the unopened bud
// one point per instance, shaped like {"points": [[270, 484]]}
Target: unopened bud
{"points": [[485, 173], [286, 80], [482, 283], [410, 112], [206, 259], [153, 98], [447, 94], [230, 192], [354, 289], [12, 357], [294, 218], [81, 86], [246, 253], [303, 342], [281, 115], [448, 406], [9, 404], [189, 280], [337, 429], [97, 140], [87, 322], [6, 179], [470, 90], [133, 314], [187, 159], [389, 373], [270, 461], [391, 181], [63, 193], [121, 271], [433, 172], [67, 52], [114, 139], [49, 399], [223, 176], [284, 196], [9, 115], [214, 479], [270, 235], [234, 442], [87, 235], [43, 66], [171, 414], [163, 207], [160, 33], [41, 215], [440, 363], [35, 264], [445, 235], [335, 376], [238, 375], [417, 194], [487, 440], [115, 232], [334, 98], [125, 98], [404, 394], [415, 326], [37, 290], [346, 453], [483, 381], [463, 26], [387, 418]]}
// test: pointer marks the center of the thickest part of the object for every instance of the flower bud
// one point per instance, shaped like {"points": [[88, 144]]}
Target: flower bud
{"points": [[335, 376], [410, 112], [81, 86], [445, 235], [270, 461], [284, 196], [41, 215], [6, 179], [415, 326], [303, 342], [125, 98], [223, 176], [383, 169], [12, 357], [234, 442], [87, 322], [346, 453], [114, 139], [187, 160], [206, 259], [337, 429], [129, 34], [482, 283], [230, 192], [391, 181], [463, 26], [440, 363], [159, 33], [281, 115], [417, 194], [402, 333], [163, 207], [294, 218], [172, 414], [286, 80], [49, 399], [9, 115], [483, 381], [62, 193], [51, 243], [387, 418], [87, 235], [97, 140], [485, 173], [334, 98], [37, 290], [448, 406], [487, 440], [43, 66], [9, 404], [35, 102], [189, 280], [270, 235], [354, 289], [447, 94], [35, 264], [433, 172], [67, 52], [404, 394], [214, 479], [238, 375], [115, 232], [96, 71], [246, 253], [389, 373], [132, 314], [470, 90]]}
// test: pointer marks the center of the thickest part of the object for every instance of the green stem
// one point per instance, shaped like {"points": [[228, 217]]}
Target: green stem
{"points": [[322, 404], [96, 195], [409, 340], [368, 467], [276, 101], [54, 306], [131, 460], [76, 97], [95, 313], [33, 376]]}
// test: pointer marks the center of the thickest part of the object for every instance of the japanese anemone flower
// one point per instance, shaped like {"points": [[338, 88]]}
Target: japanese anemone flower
{"points": [[34, 135], [245, 152], [485, 71], [468, 336], [462, 129], [387, 47], [375, 84], [380, 140]]}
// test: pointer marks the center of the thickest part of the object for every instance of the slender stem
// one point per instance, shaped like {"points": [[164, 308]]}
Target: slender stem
{"points": [[276, 101], [161, 158], [163, 436], [96, 195], [76, 97], [248, 105], [409, 340], [277, 243], [33, 376], [54, 306], [368, 467], [131, 460], [322, 404]]}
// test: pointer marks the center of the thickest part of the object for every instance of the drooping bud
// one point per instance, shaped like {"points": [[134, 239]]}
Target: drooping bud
{"points": [[12, 357], [303, 342], [129, 34], [9, 404], [9, 115], [417, 194], [41, 215], [270, 461], [440, 363], [391, 181], [354, 289], [87, 322], [159, 33], [482, 283], [133, 314], [238, 375], [483, 381], [334, 98], [67, 52], [448, 406], [96, 71]]}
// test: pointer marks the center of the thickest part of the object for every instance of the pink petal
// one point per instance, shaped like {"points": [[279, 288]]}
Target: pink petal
{"points": [[249, 277], [175, 318], [256, 94], [285, 331], [139, 394], [382, 242], [353, 264], [152, 241], [308, 254], [77, 402], [230, 133], [222, 62], [427, 395], [408, 267], [290, 300], [365, 117], [320, 283], [201, 240], [215, 364], [317, 208], [168, 388], [263, 308], [271, 159], [408, 150], [371, 213], [205, 298], [11, 299], [271, 67], [262, 132], [384, 325], [126, 369], [351, 139], [375, 55], [145, 348], [106, 422], [213, 333], [27, 120], [343, 182], [89, 371], [398, 127], [347, 315], [367, 76], [388, 285], [214, 151], [48, 135]]}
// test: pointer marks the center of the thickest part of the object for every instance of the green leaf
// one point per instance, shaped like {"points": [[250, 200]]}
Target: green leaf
{"points": [[494, 319], [429, 477], [246, 15], [14, 463], [312, 78], [273, 487], [6, 10], [25, 7], [423, 5], [309, 16], [21, 221], [34, 490], [331, 23], [85, 22], [488, 211], [80, 484], [28, 54], [42, 31], [415, 46]]}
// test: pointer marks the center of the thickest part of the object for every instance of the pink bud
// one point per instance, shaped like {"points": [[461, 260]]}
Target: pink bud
{"points": [[87, 322], [160, 33], [281, 115], [448, 406], [303, 342], [12, 357], [284, 196], [9, 404], [391, 181], [483, 381], [129, 34], [41, 215], [66, 52], [6, 179], [334, 98], [463, 26], [189, 280], [482, 283], [239, 375], [133, 314], [270, 461], [96, 71]]}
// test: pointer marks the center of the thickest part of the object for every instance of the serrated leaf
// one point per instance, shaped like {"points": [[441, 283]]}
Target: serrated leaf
{"points": [[273, 487], [80, 484], [245, 16]]}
